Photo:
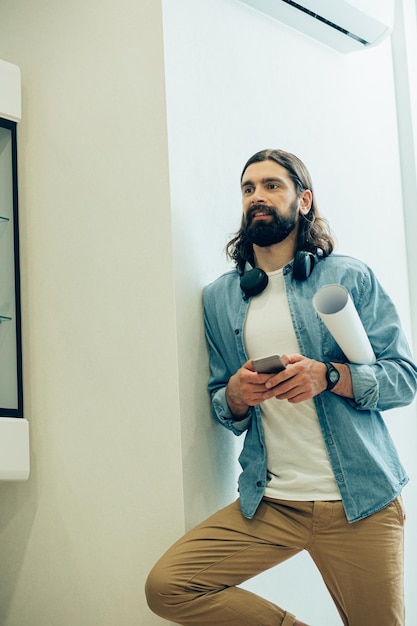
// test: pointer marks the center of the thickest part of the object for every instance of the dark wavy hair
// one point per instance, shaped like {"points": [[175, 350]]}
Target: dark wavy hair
{"points": [[313, 230]]}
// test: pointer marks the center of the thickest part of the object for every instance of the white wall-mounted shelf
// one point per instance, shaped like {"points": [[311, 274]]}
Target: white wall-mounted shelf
{"points": [[10, 92]]}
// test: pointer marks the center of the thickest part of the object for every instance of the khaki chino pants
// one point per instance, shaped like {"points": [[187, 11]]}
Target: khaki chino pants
{"points": [[195, 582]]}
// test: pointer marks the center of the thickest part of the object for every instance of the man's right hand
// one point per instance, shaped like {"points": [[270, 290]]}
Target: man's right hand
{"points": [[245, 389]]}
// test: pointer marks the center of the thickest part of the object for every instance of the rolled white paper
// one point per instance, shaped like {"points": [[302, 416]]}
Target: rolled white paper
{"points": [[335, 307]]}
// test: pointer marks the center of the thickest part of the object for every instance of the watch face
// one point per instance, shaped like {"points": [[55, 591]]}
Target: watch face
{"points": [[334, 376]]}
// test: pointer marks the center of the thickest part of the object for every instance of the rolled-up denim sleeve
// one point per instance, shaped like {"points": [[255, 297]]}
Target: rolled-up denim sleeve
{"points": [[388, 384], [392, 380], [365, 386], [223, 414]]}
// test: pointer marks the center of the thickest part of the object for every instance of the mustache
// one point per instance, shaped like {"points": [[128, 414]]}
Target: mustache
{"points": [[267, 209]]}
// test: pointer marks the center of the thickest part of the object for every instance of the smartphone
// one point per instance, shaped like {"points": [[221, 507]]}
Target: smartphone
{"points": [[269, 364]]}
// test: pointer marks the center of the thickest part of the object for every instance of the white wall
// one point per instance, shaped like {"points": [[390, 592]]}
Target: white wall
{"points": [[238, 82], [100, 368]]}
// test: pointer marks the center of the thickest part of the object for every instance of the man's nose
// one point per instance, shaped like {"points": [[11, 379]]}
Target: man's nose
{"points": [[257, 196]]}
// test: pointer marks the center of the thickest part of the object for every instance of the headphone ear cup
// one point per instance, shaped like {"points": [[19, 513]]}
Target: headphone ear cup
{"points": [[303, 265], [253, 282]]}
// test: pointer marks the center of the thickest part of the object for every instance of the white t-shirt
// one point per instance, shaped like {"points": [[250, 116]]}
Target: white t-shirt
{"points": [[297, 460]]}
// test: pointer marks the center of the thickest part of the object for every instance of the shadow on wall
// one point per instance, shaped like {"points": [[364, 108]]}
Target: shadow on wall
{"points": [[209, 450], [19, 503], [213, 448]]}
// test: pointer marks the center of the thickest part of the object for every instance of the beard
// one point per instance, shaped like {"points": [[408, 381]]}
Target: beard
{"points": [[275, 230]]}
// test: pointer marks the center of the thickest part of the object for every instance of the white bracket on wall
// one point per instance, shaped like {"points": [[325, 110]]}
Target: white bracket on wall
{"points": [[10, 92], [14, 448]]}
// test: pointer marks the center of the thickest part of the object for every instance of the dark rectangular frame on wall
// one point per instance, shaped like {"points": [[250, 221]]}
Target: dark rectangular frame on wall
{"points": [[15, 411]]}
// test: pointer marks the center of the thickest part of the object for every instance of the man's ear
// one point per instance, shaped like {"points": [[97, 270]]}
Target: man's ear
{"points": [[306, 200]]}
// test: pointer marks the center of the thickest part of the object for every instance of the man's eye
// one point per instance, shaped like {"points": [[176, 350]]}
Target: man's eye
{"points": [[248, 190], [273, 186]]}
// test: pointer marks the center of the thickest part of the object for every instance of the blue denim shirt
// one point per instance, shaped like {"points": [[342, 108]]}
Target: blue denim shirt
{"points": [[361, 452]]}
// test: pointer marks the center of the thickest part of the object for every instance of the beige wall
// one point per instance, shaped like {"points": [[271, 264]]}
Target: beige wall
{"points": [[105, 493]]}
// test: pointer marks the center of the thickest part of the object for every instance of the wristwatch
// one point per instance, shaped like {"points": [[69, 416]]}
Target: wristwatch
{"points": [[332, 376]]}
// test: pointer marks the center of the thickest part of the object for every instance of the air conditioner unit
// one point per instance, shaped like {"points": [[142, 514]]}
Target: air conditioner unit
{"points": [[346, 25]]}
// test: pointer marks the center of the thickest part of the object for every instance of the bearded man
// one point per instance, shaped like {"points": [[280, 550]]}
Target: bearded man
{"points": [[320, 471]]}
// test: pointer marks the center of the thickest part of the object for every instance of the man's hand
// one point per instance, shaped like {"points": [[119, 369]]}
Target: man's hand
{"points": [[305, 378], [301, 380], [247, 388]]}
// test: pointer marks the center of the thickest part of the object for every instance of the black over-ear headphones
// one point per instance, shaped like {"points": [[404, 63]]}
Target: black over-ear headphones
{"points": [[253, 282]]}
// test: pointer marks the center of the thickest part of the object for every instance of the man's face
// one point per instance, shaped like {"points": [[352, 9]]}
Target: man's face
{"points": [[270, 203]]}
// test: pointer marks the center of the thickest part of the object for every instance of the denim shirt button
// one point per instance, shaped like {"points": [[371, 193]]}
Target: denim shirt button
{"points": [[236, 331], [340, 478], [330, 441], [259, 483]]}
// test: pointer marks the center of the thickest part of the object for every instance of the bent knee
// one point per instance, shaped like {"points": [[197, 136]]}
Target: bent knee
{"points": [[155, 587], [162, 592]]}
